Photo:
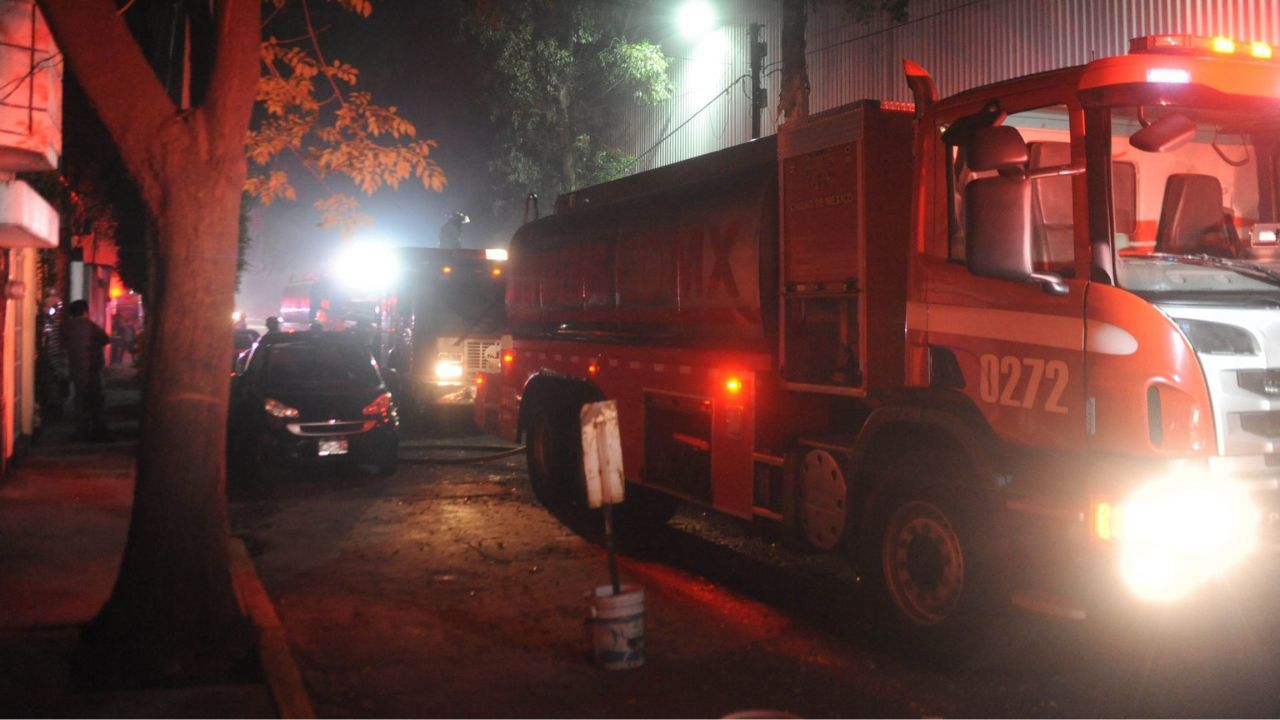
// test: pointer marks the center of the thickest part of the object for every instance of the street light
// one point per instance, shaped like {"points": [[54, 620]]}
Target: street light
{"points": [[695, 18]]}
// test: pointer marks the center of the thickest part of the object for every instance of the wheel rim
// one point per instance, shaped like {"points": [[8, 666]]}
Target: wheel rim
{"points": [[821, 500], [923, 562]]}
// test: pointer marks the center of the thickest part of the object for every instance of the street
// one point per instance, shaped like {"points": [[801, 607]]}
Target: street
{"points": [[446, 591]]}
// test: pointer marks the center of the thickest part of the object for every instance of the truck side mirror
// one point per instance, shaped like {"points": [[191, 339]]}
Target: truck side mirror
{"points": [[998, 227]]}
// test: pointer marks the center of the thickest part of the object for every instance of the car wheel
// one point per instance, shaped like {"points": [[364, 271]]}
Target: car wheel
{"points": [[248, 466], [388, 459]]}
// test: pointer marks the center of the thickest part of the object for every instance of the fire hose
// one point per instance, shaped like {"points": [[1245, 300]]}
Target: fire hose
{"points": [[501, 452]]}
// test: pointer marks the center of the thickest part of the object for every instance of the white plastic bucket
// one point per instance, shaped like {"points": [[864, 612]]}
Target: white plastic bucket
{"points": [[615, 627]]}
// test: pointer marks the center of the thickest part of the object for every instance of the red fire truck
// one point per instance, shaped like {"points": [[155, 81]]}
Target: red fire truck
{"points": [[444, 320], [1020, 344]]}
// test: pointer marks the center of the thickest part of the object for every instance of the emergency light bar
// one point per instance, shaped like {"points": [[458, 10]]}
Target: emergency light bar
{"points": [[1196, 45]]}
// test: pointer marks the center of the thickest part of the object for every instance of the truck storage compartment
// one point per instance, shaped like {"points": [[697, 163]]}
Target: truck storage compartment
{"points": [[677, 444], [843, 189]]}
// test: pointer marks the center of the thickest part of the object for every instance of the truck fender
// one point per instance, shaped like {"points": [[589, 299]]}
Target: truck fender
{"points": [[547, 387], [923, 427]]}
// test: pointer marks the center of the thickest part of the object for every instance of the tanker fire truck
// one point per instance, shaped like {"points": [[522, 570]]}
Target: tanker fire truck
{"points": [[1019, 345], [444, 321]]}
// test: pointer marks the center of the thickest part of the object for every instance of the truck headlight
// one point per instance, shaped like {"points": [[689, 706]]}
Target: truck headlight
{"points": [[1211, 338], [448, 369], [1178, 532]]}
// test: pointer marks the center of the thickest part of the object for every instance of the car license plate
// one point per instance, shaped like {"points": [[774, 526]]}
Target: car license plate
{"points": [[333, 446]]}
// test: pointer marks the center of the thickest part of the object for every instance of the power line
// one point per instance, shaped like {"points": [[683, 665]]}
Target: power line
{"points": [[891, 28], [688, 120]]}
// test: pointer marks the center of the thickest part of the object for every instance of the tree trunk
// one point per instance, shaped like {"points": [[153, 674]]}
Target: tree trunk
{"points": [[793, 99], [568, 168], [173, 617]]}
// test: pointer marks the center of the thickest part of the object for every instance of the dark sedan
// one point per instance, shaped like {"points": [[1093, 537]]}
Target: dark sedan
{"points": [[311, 398]]}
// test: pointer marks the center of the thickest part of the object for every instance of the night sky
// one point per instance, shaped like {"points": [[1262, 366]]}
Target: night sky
{"points": [[409, 57]]}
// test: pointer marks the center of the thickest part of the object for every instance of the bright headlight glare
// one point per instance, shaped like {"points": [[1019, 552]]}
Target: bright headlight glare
{"points": [[1178, 532], [448, 369]]}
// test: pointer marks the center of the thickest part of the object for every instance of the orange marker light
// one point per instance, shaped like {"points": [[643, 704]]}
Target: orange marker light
{"points": [[593, 369], [1260, 50], [508, 358], [733, 385], [447, 269], [1224, 45], [479, 380], [1107, 521]]}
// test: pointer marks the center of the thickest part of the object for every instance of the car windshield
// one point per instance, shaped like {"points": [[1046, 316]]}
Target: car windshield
{"points": [[319, 364], [1195, 202]]}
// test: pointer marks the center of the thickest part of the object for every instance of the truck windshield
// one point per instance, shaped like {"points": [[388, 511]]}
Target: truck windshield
{"points": [[1195, 200]]}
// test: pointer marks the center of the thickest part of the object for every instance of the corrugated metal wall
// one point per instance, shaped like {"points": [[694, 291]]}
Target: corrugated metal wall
{"points": [[964, 43], [711, 108]]}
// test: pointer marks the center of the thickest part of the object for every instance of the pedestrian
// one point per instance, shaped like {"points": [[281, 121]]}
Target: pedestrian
{"points": [[273, 324], [84, 342], [121, 339]]}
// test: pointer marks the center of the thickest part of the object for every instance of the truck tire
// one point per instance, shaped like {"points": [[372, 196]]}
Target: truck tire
{"points": [[554, 457], [922, 559], [925, 557]]}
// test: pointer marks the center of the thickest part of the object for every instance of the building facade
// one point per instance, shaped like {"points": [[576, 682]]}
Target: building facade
{"points": [[963, 43], [30, 141]]}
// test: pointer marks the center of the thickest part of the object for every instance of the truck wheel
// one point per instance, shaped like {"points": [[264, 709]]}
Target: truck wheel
{"points": [[922, 557], [554, 460]]}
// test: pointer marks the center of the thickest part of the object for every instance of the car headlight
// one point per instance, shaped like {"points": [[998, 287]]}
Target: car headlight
{"points": [[448, 369], [1178, 532], [275, 408], [1213, 338]]}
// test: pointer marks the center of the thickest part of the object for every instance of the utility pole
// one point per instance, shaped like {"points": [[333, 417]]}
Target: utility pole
{"points": [[758, 50]]}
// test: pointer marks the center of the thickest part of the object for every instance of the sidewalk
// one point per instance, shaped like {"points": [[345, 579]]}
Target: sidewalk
{"points": [[64, 514]]}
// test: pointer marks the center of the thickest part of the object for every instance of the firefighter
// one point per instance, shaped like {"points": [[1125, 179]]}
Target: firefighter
{"points": [[451, 231]]}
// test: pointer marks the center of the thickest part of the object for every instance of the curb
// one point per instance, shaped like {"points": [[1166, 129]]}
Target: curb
{"points": [[278, 666]]}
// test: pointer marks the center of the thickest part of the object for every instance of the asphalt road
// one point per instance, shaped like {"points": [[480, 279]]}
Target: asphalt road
{"points": [[446, 591]]}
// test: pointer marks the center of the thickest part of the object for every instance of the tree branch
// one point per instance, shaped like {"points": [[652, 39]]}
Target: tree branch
{"points": [[315, 47], [235, 76]]}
